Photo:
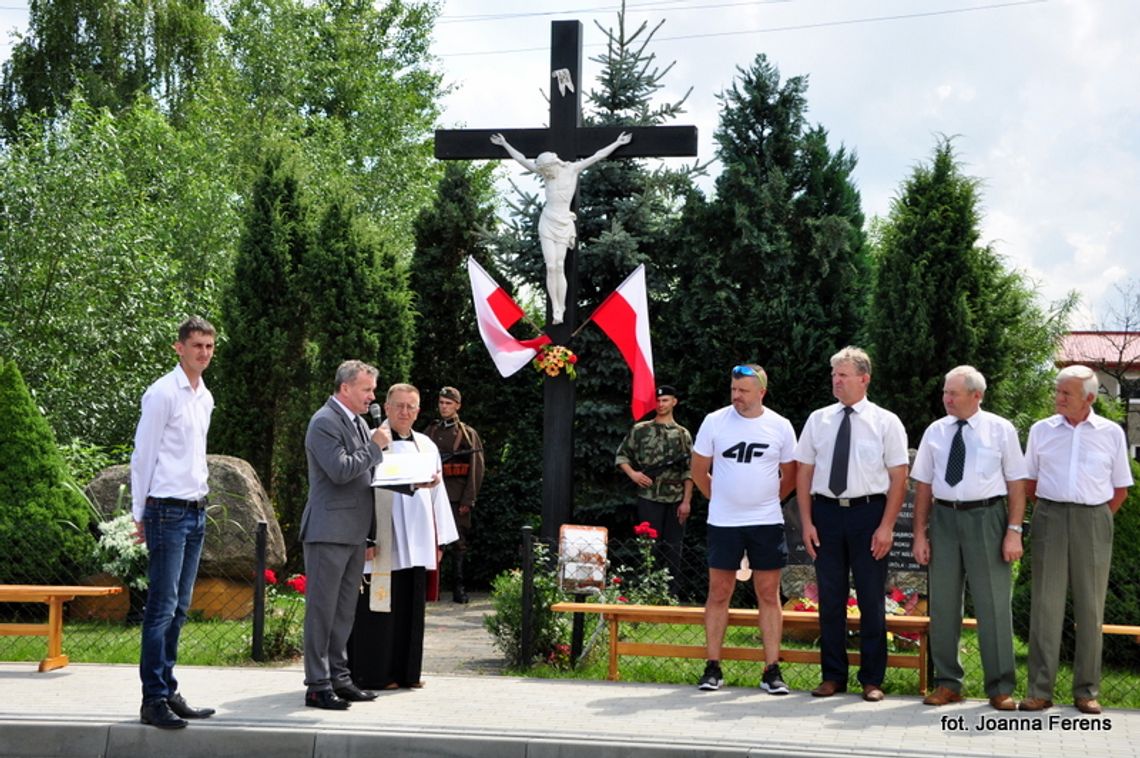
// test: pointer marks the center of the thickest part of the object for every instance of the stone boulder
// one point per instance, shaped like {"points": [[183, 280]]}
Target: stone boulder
{"points": [[237, 503]]}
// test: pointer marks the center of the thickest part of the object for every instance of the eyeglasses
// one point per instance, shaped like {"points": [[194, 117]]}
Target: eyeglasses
{"points": [[404, 407]]}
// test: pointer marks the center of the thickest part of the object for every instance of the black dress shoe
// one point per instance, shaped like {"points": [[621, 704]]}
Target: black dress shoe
{"points": [[159, 714], [326, 699], [180, 707], [354, 694]]}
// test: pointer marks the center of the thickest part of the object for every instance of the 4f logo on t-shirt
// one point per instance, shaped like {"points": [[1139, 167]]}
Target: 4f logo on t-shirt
{"points": [[744, 453]]}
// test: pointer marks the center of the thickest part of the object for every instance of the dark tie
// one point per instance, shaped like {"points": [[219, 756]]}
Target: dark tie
{"points": [[361, 429], [956, 462], [841, 454]]}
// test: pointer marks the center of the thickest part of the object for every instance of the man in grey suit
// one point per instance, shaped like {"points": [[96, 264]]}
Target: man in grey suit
{"points": [[341, 454]]}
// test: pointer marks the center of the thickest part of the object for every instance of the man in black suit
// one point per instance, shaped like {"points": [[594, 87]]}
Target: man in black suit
{"points": [[341, 454]]}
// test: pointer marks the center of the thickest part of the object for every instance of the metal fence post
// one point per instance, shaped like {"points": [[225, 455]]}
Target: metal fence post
{"points": [[527, 632], [258, 651]]}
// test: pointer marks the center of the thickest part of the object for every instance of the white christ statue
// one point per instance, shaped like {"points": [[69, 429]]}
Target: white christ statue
{"points": [[556, 230]]}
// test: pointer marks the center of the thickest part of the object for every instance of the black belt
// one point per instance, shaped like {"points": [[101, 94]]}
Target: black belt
{"points": [[195, 504], [847, 502], [969, 505]]}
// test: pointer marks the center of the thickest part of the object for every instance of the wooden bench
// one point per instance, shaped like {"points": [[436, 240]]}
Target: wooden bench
{"points": [[54, 597], [616, 614]]}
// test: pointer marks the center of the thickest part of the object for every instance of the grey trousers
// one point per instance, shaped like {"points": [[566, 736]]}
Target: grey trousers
{"points": [[334, 573], [1072, 548]]}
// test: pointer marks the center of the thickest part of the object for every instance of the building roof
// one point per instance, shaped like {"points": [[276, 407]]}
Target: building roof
{"points": [[1113, 350]]}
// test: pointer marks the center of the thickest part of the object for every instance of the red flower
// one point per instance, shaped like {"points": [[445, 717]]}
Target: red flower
{"points": [[645, 530], [623, 599], [616, 580], [270, 577], [297, 583], [573, 358], [898, 595], [852, 601]]}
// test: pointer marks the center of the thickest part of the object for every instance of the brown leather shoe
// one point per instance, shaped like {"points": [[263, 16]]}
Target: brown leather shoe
{"points": [[1034, 704], [1087, 705], [1003, 703], [872, 693], [828, 688], [942, 696]]}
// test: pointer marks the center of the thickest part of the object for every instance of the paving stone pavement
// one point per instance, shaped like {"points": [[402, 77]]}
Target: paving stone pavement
{"points": [[466, 710]]}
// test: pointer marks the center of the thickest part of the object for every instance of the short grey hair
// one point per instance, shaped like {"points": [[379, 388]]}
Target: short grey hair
{"points": [[347, 372], [973, 378], [1090, 384], [400, 387], [856, 356]]}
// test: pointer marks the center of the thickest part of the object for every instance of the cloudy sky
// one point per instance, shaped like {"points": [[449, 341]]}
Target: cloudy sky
{"points": [[1042, 96]]}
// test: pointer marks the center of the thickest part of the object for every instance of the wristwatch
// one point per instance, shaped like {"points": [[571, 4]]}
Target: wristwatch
{"points": [[1016, 528]]}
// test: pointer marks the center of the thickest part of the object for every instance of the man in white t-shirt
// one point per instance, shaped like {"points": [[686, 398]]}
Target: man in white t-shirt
{"points": [[754, 452]]}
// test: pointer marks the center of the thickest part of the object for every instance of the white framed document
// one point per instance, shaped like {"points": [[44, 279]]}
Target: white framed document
{"points": [[404, 468]]}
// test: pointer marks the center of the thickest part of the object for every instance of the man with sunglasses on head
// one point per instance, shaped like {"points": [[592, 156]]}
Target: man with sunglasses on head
{"points": [[754, 452]]}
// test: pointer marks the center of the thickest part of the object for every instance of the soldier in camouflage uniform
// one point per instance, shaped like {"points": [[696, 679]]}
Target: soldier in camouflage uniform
{"points": [[462, 453], [655, 456]]}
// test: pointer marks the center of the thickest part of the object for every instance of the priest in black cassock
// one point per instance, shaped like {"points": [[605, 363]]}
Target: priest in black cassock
{"points": [[386, 648]]}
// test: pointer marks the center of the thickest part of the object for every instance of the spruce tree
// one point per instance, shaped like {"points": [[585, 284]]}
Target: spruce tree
{"points": [[941, 300], [44, 519], [772, 269], [626, 212]]}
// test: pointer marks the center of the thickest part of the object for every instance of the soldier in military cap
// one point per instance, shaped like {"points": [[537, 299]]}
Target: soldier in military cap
{"points": [[655, 456], [462, 453]]}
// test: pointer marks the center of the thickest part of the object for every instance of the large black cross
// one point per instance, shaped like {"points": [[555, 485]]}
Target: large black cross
{"points": [[570, 140]]}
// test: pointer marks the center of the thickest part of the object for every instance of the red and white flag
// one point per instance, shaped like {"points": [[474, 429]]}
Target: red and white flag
{"points": [[496, 313], [624, 317]]}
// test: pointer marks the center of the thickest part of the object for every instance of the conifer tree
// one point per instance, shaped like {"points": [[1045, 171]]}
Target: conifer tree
{"points": [[941, 300], [626, 212], [44, 537], [261, 347], [772, 269]]}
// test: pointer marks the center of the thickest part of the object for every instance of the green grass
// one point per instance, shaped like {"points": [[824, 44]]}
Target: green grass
{"points": [[203, 643], [1120, 688]]}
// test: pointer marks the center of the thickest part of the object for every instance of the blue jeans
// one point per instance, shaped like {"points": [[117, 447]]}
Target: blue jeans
{"points": [[174, 537]]}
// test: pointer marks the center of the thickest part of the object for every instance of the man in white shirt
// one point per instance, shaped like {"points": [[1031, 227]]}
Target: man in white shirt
{"points": [[970, 464], [387, 648], [1079, 476], [168, 502], [755, 469], [850, 487]]}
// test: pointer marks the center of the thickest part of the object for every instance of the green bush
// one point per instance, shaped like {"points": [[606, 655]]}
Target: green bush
{"points": [[1122, 604], [550, 629], [44, 518]]}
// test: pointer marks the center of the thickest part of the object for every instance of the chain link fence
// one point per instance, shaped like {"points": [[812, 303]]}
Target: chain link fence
{"points": [[588, 565], [241, 611]]}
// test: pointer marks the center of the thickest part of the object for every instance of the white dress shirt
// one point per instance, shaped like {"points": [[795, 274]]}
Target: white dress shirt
{"points": [[169, 459], [1078, 464], [993, 457], [878, 443]]}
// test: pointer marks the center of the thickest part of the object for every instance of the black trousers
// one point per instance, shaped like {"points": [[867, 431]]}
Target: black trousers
{"points": [[670, 534], [386, 650]]}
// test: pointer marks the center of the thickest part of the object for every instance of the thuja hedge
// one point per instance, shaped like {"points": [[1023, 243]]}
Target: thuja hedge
{"points": [[44, 521]]}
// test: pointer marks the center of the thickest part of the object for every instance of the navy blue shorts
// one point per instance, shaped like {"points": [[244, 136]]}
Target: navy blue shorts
{"points": [[765, 545]]}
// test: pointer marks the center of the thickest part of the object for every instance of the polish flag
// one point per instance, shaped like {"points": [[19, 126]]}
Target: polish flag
{"points": [[624, 317], [496, 313]]}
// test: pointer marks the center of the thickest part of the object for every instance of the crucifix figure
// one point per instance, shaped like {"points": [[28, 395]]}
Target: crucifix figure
{"points": [[556, 230], [568, 139]]}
